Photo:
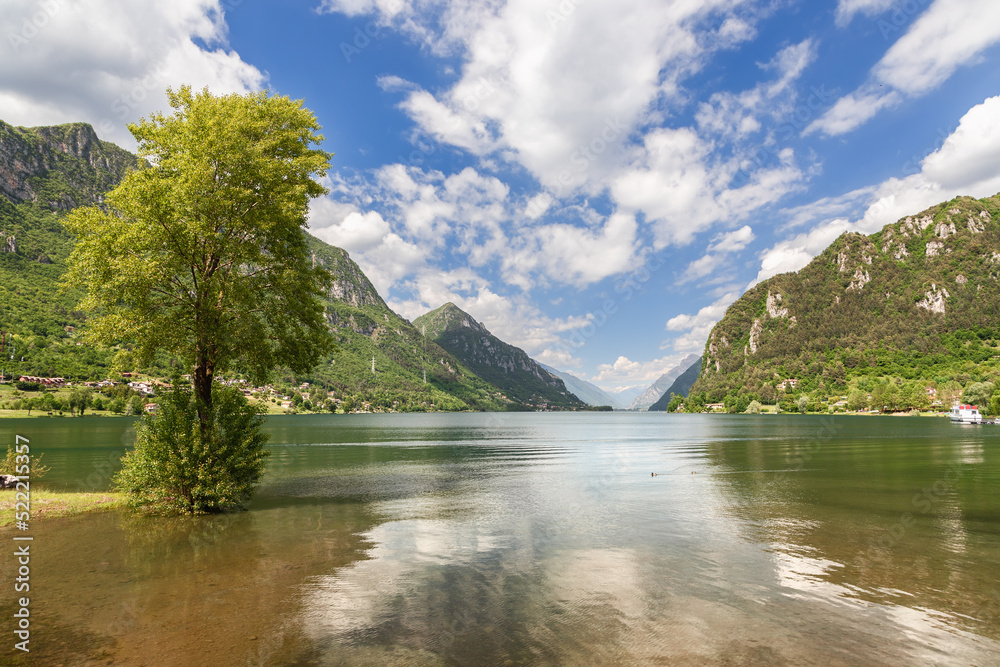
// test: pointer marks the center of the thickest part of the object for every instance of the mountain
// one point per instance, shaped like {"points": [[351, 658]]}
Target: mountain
{"points": [[656, 390], [508, 367], [46, 171], [916, 303], [681, 386], [589, 393], [411, 372]]}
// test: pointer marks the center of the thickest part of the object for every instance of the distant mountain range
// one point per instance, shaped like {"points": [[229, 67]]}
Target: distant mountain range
{"points": [[656, 390], [680, 387], [589, 393], [916, 302], [521, 378]]}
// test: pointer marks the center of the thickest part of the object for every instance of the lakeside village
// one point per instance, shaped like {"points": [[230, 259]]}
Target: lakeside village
{"points": [[136, 394]]}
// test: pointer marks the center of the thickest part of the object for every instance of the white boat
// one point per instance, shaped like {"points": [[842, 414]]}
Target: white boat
{"points": [[965, 414]]}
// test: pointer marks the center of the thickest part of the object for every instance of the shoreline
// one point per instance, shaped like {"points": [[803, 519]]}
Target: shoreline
{"points": [[54, 504]]}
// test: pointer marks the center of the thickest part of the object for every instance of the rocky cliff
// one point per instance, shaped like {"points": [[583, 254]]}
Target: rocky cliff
{"points": [[59, 167]]}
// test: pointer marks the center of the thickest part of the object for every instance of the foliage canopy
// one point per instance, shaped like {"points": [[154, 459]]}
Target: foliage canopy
{"points": [[203, 253]]}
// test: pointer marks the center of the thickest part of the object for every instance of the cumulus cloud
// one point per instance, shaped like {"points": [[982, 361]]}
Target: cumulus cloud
{"points": [[574, 255], [733, 241], [356, 231], [109, 63], [557, 89], [947, 35], [693, 330], [625, 370], [718, 250]]}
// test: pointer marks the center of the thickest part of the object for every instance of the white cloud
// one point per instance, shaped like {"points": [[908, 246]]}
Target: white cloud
{"points": [[557, 88], [827, 207], [970, 156], [846, 9], [733, 241], [721, 246], [854, 110], [946, 36], [575, 255], [949, 34], [356, 232], [625, 370], [109, 63], [694, 329], [964, 165]]}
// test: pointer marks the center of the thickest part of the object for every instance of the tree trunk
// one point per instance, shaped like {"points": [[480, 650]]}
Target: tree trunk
{"points": [[204, 373]]}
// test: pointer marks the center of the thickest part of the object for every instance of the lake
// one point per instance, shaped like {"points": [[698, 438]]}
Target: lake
{"points": [[538, 539]]}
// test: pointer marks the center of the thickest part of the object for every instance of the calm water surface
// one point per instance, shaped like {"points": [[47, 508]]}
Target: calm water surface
{"points": [[539, 539]]}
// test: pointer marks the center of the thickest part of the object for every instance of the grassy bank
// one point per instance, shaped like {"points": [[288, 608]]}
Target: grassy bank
{"points": [[46, 504]]}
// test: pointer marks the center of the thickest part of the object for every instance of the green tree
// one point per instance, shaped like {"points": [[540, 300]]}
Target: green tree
{"points": [[754, 408], [802, 404], [994, 406], [175, 469], [22, 464], [202, 254], [80, 399], [978, 394], [949, 392], [857, 400], [135, 405]]}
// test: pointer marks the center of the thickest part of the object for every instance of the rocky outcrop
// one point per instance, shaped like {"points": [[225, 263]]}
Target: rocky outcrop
{"points": [[60, 167], [350, 284], [934, 300]]}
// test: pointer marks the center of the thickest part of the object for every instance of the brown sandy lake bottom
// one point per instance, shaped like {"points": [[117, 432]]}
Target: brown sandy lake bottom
{"points": [[536, 539]]}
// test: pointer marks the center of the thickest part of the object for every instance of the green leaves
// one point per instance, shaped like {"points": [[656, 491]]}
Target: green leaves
{"points": [[203, 253], [180, 466]]}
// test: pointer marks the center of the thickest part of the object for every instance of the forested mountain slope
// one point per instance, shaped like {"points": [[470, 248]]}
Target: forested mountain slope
{"points": [[917, 301], [508, 367]]}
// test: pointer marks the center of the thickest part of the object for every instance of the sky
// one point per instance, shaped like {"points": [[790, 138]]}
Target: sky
{"points": [[594, 180]]}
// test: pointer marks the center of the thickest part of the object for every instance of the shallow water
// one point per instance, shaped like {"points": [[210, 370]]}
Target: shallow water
{"points": [[540, 539]]}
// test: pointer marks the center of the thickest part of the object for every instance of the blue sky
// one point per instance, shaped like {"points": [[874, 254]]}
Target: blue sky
{"points": [[595, 180]]}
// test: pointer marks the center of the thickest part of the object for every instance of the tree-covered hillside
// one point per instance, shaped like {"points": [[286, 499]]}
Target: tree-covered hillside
{"points": [[520, 377], [366, 328], [912, 306]]}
